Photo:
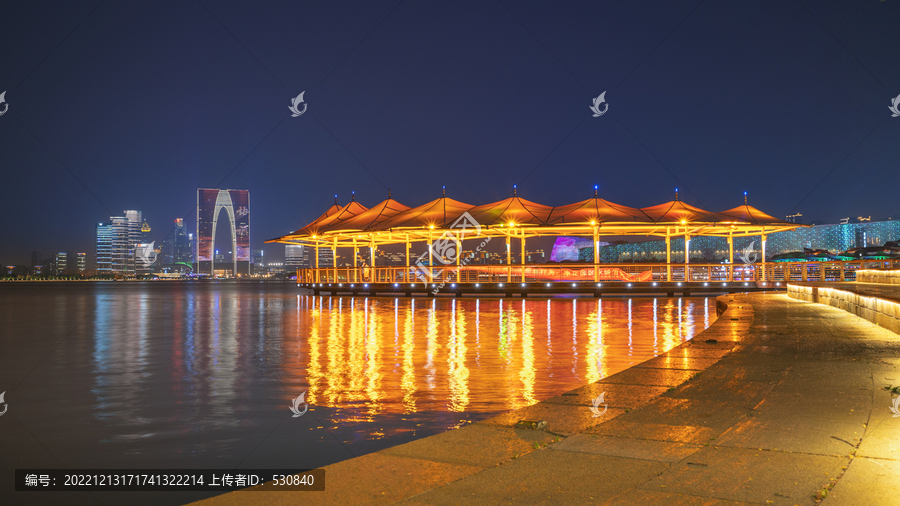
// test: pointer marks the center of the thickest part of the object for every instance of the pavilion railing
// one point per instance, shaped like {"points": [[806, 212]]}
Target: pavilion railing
{"points": [[531, 273]]}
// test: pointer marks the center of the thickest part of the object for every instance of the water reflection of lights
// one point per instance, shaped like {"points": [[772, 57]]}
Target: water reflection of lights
{"points": [[366, 357], [426, 359]]}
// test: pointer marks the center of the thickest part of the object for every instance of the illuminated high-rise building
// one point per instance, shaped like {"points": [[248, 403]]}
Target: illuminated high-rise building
{"points": [[294, 256], [115, 244], [182, 244], [236, 206], [62, 263], [145, 232], [133, 220]]}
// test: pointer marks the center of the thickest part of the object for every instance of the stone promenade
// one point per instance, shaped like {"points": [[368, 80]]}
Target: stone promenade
{"points": [[779, 402]]}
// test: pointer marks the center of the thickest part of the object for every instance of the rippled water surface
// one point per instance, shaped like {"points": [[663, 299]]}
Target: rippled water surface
{"points": [[180, 375]]}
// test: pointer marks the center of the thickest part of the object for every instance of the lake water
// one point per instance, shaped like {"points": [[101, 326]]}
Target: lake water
{"points": [[203, 375]]}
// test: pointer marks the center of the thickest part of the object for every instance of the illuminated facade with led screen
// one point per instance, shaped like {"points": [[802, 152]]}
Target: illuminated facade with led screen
{"points": [[211, 203]]}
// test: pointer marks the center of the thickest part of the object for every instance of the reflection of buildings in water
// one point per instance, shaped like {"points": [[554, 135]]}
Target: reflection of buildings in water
{"points": [[119, 358], [221, 359]]}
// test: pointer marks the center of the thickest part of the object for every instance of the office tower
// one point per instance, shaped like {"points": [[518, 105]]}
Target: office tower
{"points": [[257, 262], [104, 248], [236, 205], [114, 255], [193, 242], [293, 256], [81, 262], [61, 262], [168, 251], [35, 258], [133, 238], [182, 244], [145, 232]]}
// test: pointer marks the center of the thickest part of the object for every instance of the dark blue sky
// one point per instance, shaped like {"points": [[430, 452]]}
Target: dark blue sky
{"points": [[130, 105]]}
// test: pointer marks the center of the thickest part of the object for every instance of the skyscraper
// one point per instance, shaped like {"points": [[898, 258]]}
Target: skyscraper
{"points": [[294, 256], [115, 244], [182, 244], [105, 234], [62, 263], [145, 232], [133, 219], [35, 258], [236, 205]]}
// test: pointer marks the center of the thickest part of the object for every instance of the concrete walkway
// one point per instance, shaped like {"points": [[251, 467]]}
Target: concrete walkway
{"points": [[778, 402]]}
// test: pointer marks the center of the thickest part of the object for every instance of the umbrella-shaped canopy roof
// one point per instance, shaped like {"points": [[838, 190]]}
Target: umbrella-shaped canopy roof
{"points": [[438, 213], [512, 210], [595, 210], [372, 218], [331, 210], [751, 214], [677, 211], [346, 225], [347, 212]]}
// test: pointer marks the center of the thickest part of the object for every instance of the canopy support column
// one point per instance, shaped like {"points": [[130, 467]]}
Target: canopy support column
{"points": [[458, 255], [522, 260], [430, 257], [508, 260], [596, 253], [763, 255], [406, 276], [355, 277], [730, 257], [668, 256], [334, 259], [687, 257], [372, 256], [317, 261]]}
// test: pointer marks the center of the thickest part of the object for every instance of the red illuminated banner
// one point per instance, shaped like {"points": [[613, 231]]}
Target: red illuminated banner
{"points": [[579, 274]]}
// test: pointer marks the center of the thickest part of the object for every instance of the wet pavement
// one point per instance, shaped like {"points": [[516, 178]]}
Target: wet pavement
{"points": [[779, 402]]}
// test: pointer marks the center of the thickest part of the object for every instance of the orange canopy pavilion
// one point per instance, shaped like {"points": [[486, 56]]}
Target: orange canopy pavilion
{"points": [[390, 222]]}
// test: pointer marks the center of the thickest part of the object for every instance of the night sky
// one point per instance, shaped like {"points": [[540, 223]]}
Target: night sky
{"points": [[134, 105]]}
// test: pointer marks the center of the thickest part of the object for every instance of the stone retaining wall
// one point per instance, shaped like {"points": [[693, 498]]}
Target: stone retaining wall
{"points": [[882, 312]]}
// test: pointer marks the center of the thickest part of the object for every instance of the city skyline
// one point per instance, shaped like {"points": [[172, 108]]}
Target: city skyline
{"points": [[798, 117]]}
